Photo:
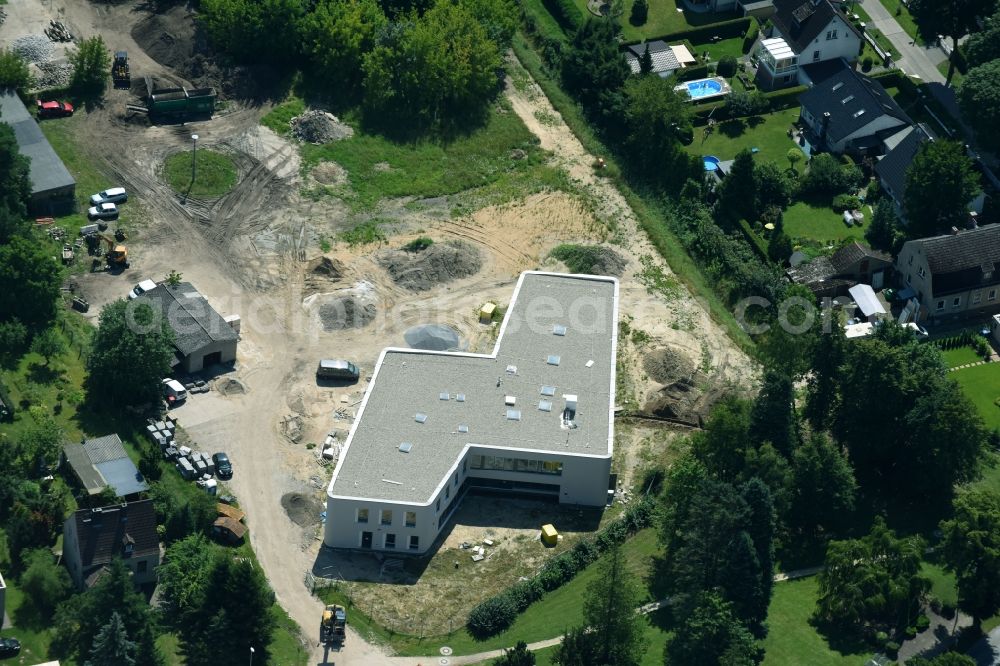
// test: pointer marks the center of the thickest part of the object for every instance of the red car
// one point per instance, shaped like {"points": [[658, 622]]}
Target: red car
{"points": [[54, 109]]}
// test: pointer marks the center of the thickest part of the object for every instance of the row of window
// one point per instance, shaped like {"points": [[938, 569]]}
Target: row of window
{"points": [[502, 464], [977, 297], [409, 517], [390, 541]]}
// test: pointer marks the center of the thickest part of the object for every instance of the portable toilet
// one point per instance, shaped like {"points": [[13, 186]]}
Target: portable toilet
{"points": [[550, 536]]}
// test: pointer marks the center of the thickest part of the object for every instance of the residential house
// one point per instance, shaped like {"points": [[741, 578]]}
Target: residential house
{"points": [[202, 337], [803, 32], [92, 538], [666, 58], [953, 274], [101, 463], [850, 112], [852, 264], [718, 6], [900, 149]]}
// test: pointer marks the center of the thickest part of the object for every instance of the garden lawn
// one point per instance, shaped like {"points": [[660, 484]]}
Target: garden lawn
{"points": [[215, 173], [549, 617], [817, 221], [34, 639], [664, 18], [716, 50], [767, 133], [942, 582], [960, 356], [903, 18], [791, 639], [982, 386]]}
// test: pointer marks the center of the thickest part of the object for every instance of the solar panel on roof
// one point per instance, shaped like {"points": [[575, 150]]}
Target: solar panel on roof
{"points": [[460, 397], [463, 428], [513, 414], [405, 447], [420, 418], [545, 405], [559, 329], [444, 395], [548, 390], [552, 360]]}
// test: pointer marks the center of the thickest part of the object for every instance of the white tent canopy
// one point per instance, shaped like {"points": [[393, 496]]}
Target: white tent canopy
{"points": [[866, 299]]}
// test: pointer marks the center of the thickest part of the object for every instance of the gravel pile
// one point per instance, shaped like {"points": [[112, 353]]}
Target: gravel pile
{"points": [[33, 48], [345, 312], [438, 264], [53, 75], [319, 127]]}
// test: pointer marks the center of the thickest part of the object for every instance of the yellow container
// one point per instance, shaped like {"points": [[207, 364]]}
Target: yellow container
{"points": [[549, 535], [486, 313]]}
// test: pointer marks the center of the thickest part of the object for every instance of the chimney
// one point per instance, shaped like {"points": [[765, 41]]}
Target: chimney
{"points": [[954, 231], [973, 221], [824, 125]]}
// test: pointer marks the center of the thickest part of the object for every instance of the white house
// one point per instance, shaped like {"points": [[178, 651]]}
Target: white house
{"points": [[849, 112], [533, 418], [803, 32]]}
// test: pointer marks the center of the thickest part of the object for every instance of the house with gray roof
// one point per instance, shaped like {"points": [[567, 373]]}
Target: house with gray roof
{"points": [[850, 112], [103, 463], [854, 263], [533, 418], [202, 337], [666, 59], [53, 189], [953, 274], [92, 538]]}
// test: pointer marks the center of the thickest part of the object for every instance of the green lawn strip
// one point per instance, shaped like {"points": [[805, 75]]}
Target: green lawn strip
{"points": [[816, 221], [277, 118], [876, 34], [649, 218], [982, 386], [898, 11], [792, 640], [768, 133], [663, 18], [942, 582], [380, 168], [716, 50], [215, 173], [960, 356], [35, 640], [549, 617], [286, 646], [956, 77]]}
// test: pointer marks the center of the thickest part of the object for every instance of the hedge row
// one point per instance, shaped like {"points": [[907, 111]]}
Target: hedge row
{"points": [[737, 27], [777, 100], [565, 13], [498, 613]]}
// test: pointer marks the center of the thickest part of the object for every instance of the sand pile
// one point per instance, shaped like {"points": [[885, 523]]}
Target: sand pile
{"points": [[319, 127], [345, 312], [667, 365], [438, 264]]}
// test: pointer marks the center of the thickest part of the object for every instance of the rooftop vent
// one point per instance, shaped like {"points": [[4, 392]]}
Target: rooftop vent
{"points": [[559, 329], [509, 400], [549, 390], [443, 395], [552, 359], [420, 418], [847, 99], [570, 402], [511, 369], [513, 414], [838, 86], [405, 447], [545, 405], [859, 113], [463, 428], [460, 397]]}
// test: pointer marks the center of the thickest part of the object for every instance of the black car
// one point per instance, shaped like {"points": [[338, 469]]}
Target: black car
{"points": [[9, 647], [223, 468]]}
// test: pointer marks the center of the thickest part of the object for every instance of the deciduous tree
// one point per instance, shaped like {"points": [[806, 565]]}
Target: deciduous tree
{"points": [[594, 71], [881, 233], [29, 283], [984, 46], [979, 99], [519, 655], [91, 67], [939, 185], [48, 344], [657, 119], [738, 192], [242, 28], [44, 583], [337, 34], [14, 71], [954, 19], [711, 635], [772, 416], [971, 549]]}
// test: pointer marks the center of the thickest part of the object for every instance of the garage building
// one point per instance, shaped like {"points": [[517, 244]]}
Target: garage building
{"points": [[202, 337], [53, 190]]}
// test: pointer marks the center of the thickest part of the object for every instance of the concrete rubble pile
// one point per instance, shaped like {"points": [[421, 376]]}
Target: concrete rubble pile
{"points": [[319, 127]]}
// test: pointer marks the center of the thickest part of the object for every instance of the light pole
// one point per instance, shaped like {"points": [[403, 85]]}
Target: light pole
{"points": [[251, 647], [194, 172]]}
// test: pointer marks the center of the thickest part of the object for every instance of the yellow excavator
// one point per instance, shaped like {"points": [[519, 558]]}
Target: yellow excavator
{"points": [[117, 254], [333, 627]]}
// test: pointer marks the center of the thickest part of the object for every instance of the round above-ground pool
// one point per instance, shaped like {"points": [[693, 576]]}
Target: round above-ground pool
{"points": [[715, 86], [711, 162]]}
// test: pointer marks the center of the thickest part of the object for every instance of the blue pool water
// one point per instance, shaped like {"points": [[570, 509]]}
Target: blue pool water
{"points": [[703, 88]]}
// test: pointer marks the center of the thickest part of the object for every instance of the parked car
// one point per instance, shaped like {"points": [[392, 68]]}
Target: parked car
{"points": [[174, 391], [9, 647], [141, 288], [115, 195], [53, 109], [223, 468], [337, 369], [104, 211]]}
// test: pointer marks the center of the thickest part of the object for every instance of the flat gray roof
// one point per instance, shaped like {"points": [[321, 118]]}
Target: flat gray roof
{"points": [[560, 332], [47, 170]]}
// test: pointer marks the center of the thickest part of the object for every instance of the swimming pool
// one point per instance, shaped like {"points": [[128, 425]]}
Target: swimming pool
{"points": [[705, 88]]}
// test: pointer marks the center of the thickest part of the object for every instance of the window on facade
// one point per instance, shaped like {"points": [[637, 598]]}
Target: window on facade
{"points": [[940, 305], [414, 542], [362, 515], [437, 507], [503, 464], [910, 262], [454, 481], [464, 465], [907, 279], [992, 295], [815, 56], [390, 540], [447, 492], [142, 566], [831, 34], [411, 519], [921, 272], [956, 302], [386, 517], [976, 297]]}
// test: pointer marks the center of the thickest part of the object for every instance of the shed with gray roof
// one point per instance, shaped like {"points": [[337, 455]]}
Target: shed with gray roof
{"points": [[103, 462], [53, 189]]}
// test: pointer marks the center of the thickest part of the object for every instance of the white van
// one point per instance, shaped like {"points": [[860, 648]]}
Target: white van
{"points": [[174, 390], [141, 288], [111, 195]]}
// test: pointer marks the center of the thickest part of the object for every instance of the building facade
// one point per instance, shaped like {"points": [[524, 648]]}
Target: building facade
{"points": [[532, 419]]}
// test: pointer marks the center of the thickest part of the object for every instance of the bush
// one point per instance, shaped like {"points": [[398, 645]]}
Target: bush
{"points": [[640, 12], [948, 611], [843, 202], [740, 103], [910, 632], [935, 605], [923, 623], [867, 63], [891, 649], [565, 13], [726, 66], [492, 616], [881, 638], [418, 244], [751, 36]]}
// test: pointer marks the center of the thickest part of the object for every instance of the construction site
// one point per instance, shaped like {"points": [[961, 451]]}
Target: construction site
{"points": [[274, 253]]}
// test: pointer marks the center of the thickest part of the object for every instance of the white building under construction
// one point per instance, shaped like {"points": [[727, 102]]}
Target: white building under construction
{"points": [[534, 418]]}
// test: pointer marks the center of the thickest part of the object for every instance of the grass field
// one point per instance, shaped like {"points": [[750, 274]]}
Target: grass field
{"points": [[903, 18], [982, 385], [791, 639], [215, 173], [716, 50], [663, 18], [34, 640], [942, 582], [767, 133], [817, 221], [960, 356]]}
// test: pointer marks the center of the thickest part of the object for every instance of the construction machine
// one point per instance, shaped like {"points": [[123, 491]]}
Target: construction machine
{"points": [[116, 255], [120, 71], [333, 627]]}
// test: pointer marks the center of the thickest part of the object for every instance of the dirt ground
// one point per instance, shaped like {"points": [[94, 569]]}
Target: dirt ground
{"points": [[255, 252]]}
